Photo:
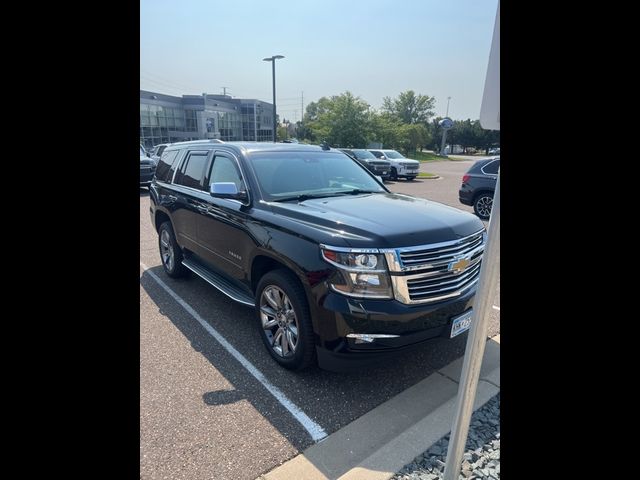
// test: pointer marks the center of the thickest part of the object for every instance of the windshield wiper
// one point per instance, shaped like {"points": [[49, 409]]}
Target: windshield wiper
{"points": [[357, 191], [304, 196]]}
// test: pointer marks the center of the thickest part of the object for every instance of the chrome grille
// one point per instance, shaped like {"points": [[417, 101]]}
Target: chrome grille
{"points": [[439, 254], [436, 276], [436, 287]]}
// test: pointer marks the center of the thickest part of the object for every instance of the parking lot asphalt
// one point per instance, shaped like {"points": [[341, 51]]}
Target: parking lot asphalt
{"points": [[203, 415]]}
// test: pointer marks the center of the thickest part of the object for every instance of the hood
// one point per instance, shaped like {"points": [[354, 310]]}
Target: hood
{"points": [[380, 220]]}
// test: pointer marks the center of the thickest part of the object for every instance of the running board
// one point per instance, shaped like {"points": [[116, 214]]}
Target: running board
{"points": [[230, 290]]}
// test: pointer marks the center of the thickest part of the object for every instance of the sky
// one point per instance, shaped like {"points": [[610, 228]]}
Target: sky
{"points": [[372, 48]]}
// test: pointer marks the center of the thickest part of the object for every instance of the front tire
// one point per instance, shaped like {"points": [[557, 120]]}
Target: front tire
{"points": [[482, 205], [394, 174], [409, 179], [170, 252], [284, 320]]}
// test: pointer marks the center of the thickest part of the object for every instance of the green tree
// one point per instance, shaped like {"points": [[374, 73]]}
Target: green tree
{"points": [[488, 139], [342, 120], [409, 107], [411, 136], [385, 129], [281, 133]]}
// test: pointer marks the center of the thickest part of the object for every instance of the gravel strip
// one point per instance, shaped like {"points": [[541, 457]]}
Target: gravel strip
{"points": [[481, 459]]}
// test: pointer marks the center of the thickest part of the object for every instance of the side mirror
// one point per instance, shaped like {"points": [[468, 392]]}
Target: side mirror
{"points": [[227, 190], [380, 179]]}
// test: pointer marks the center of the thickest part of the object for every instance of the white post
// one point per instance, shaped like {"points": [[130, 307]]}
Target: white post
{"points": [[474, 351]]}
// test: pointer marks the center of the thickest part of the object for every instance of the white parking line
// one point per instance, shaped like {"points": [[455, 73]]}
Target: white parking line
{"points": [[315, 430], [496, 308]]}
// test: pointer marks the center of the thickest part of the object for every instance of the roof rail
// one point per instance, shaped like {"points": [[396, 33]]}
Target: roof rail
{"points": [[209, 140]]}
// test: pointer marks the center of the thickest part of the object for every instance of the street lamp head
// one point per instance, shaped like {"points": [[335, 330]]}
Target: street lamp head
{"points": [[271, 59]]}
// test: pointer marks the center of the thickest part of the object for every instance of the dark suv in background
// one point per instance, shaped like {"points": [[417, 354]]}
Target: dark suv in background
{"points": [[337, 268], [478, 185], [147, 168], [377, 166]]}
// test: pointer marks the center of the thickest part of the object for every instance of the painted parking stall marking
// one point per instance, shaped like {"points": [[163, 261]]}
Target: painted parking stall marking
{"points": [[316, 432]]}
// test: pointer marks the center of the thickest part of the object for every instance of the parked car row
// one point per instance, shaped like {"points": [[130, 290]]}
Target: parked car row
{"points": [[401, 167], [392, 162], [381, 168]]}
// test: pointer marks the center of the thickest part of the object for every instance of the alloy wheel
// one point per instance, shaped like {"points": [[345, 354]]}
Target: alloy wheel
{"points": [[166, 250], [279, 321], [484, 206]]}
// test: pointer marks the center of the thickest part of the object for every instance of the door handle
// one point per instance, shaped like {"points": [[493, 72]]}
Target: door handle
{"points": [[173, 198]]}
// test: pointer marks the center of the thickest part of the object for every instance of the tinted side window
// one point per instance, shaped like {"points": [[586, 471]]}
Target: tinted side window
{"points": [[377, 154], [491, 167], [190, 175], [160, 150], [164, 172], [225, 170]]}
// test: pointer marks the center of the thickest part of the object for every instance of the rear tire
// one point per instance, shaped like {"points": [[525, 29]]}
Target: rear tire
{"points": [[170, 252], [482, 205], [284, 320]]}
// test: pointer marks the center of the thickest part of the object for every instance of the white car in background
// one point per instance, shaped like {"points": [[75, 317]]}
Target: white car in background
{"points": [[401, 166]]}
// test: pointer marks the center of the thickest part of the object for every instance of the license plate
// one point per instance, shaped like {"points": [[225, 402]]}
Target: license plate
{"points": [[461, 323]]}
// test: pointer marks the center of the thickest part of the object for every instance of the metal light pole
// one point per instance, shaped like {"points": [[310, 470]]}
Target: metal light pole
{"points": [[444, 132], [273, 71], [446, 124]]}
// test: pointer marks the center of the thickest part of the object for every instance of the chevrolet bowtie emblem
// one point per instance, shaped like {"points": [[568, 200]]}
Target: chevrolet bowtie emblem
{"points": [[459, 265]]}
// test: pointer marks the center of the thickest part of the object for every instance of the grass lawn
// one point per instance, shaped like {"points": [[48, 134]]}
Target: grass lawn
{"points": [[426, 157], [427, 175]]}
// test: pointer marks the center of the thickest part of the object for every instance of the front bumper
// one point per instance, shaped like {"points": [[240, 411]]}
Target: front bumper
{"points": [[414, 325], [408, 172]]}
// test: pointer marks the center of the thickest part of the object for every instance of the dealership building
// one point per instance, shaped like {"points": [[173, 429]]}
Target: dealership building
{"points": [[166, 119]]}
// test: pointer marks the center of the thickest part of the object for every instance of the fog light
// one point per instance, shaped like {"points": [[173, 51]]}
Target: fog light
{"points": [[369, 337]]}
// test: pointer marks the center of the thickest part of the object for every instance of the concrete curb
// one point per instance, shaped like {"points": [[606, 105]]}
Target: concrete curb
{"points": [[381, 442]]}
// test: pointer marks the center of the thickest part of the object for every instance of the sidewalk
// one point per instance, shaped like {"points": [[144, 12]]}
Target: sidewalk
{"points": [[394, 434], [481, 459]]}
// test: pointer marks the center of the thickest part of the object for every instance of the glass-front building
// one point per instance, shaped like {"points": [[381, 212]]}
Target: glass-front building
{"points": [[166, 118]]}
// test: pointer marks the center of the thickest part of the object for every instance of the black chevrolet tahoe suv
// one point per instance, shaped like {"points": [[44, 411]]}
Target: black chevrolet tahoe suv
{"points": [[339, 269]]}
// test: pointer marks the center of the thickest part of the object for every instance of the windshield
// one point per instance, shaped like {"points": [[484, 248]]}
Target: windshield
{"points": [[284, 175], [363, 154], [393, 154]]}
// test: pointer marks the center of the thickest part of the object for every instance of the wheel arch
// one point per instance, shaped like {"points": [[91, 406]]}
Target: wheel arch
{"points": [[264, 262]]}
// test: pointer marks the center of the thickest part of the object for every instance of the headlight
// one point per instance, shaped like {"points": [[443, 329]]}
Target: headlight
{"points": [[360, 274]]}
